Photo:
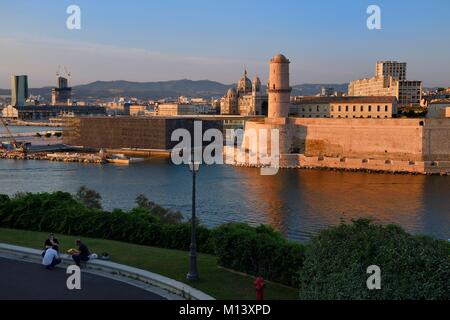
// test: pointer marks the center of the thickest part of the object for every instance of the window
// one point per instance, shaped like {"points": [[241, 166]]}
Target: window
{"points": [[386, 108], [354, 108], [346, 108], [332, 109], [378, 108], [370, 108], [318, 109], [339, 108], [362, 108]]}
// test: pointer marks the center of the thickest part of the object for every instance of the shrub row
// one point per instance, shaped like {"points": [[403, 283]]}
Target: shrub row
{"points": [[256, 251], [59, 213]]}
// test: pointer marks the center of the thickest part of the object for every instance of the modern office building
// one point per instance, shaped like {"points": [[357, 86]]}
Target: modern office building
{"points": [[45, 112], [141, 133], [19, 90], [62, 94]]}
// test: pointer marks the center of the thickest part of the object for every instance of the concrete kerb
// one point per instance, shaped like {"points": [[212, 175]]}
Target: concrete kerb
{"points": [[110, 268]]}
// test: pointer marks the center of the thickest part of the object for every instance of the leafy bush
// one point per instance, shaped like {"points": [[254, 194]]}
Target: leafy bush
{"points": [[258, 251], [60, 213], [412, 267]]}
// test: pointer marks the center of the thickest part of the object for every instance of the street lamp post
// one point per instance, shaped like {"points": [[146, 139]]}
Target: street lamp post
{"points": [[193, 273]]}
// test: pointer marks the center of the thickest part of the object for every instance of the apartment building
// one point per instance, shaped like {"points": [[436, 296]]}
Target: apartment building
{"points": [[378, 107], [389, 80]]}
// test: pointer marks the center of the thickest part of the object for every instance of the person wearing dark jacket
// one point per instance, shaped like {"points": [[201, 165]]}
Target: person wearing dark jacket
{"points": [[51, 242], [82, 254]]}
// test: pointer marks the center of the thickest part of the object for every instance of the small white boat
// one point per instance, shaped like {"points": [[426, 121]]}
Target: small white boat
{"points": [[122, 159]]}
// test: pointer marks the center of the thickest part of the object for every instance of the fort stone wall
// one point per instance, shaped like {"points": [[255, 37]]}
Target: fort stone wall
{"points": [[391, 145]]}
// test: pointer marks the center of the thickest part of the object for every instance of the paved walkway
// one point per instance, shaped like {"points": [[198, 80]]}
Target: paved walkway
{"points": [[23, 280]]}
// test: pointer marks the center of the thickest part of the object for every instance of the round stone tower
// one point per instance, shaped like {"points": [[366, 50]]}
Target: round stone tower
{"points": [[278, 87]]}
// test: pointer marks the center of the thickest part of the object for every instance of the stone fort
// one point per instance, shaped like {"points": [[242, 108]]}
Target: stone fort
{"points": [[391, 145]]}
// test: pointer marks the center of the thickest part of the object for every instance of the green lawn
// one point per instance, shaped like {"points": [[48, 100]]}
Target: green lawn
{"points": [[217, 282]]}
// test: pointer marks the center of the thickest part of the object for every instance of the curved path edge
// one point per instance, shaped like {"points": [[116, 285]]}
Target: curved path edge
{"points": [[110, 269]]}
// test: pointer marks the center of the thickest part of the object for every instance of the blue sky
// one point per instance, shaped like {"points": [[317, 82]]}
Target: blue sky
{"points": [[141, 40]]}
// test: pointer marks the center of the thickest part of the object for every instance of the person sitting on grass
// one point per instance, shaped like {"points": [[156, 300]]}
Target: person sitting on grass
{"points": [[51, 258], [82, 253]]}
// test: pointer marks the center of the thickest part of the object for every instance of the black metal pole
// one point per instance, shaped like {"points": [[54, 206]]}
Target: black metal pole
{"points": [[193, 273]]}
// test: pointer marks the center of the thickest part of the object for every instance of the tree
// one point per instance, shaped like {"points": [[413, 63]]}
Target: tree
{"points": [[88, 197], [164, 215]]}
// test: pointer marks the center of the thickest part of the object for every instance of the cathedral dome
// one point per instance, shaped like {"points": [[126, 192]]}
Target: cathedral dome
{"points": [[256, 84], [245, 85], [231, 92], [279, 58]]}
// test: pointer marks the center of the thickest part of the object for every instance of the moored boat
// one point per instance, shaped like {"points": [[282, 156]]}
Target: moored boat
{"points": [[122, 159]]}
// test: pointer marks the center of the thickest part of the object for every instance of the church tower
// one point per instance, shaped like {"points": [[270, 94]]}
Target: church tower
{"points": [[278, 87]]}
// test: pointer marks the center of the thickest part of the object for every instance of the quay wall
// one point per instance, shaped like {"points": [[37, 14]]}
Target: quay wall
{"points": [[391, 145]]}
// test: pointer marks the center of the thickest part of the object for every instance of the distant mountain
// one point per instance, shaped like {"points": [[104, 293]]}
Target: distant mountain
{"points": [[164, 89], [152, 90]]}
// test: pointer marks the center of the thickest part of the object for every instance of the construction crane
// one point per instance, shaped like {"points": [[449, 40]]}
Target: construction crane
{"points": [[18, 146], [67, 72]]}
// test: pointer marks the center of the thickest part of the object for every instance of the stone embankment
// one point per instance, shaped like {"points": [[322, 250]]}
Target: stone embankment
{"points": [[368, 165], [60, 157]]}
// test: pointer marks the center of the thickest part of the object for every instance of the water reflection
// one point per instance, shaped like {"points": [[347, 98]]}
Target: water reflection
{"points": [[297, 202]]}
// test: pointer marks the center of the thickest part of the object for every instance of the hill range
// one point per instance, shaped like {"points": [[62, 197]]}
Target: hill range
{"points": [[164, 89]]}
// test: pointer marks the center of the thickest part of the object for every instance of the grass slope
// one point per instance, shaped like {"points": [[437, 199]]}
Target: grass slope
{"points": [[217, 282]]}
